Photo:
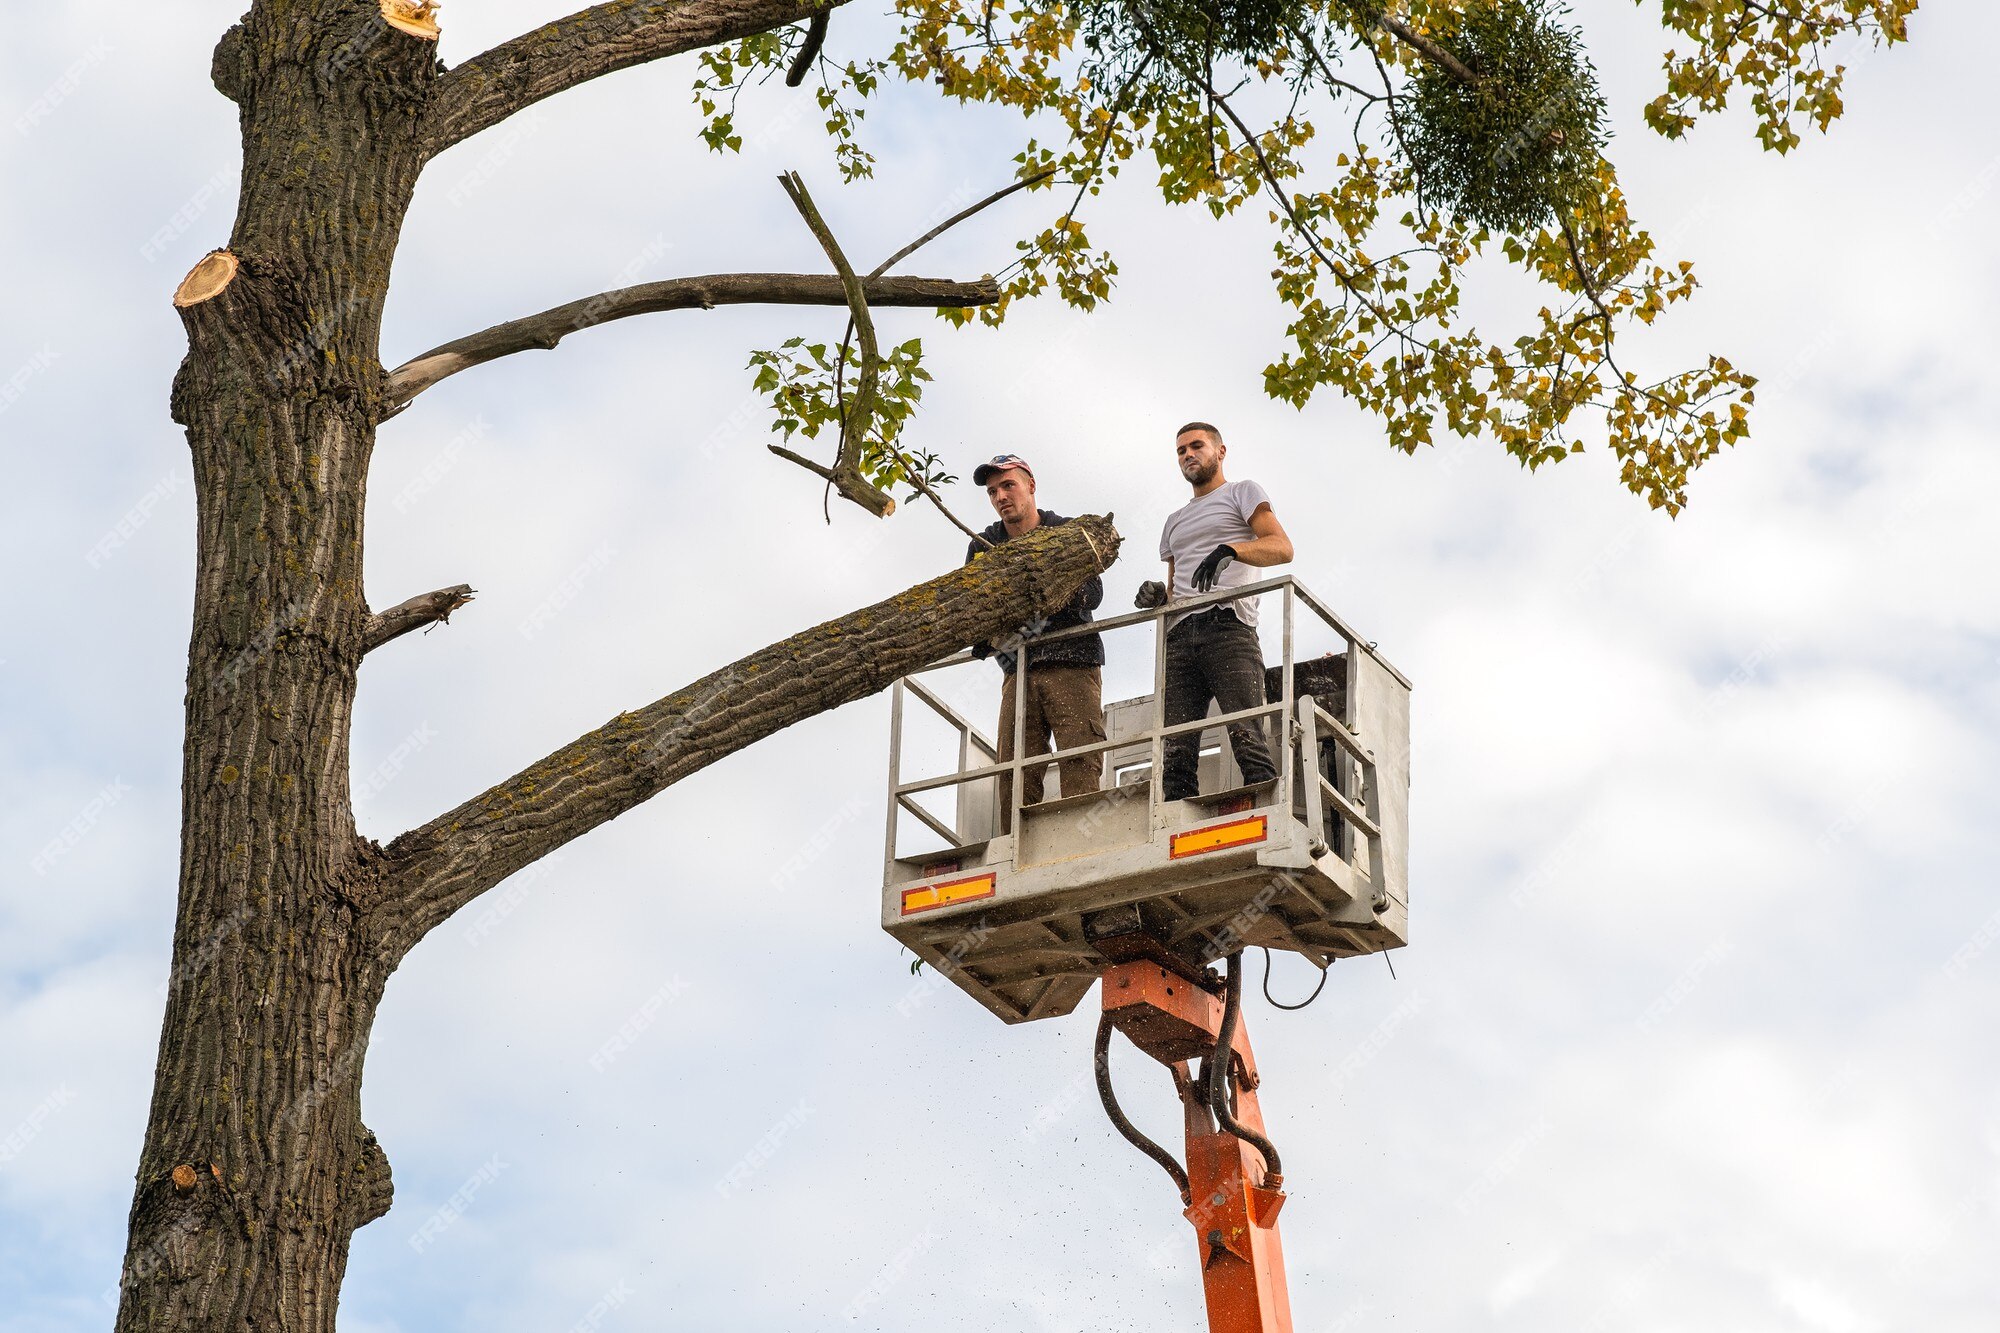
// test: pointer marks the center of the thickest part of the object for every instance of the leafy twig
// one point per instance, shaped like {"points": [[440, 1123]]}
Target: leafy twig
{"points": [[845, 475]]}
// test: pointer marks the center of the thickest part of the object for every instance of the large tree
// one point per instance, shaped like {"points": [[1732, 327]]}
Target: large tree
{"points": [[1468, 127]]}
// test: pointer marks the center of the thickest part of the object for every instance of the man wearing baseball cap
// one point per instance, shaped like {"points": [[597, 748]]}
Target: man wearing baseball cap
{"points": [[1065, 678]]}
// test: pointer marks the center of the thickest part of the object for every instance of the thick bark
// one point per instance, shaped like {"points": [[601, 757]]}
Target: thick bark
{"points": [[431, 872], [256, 1167]]}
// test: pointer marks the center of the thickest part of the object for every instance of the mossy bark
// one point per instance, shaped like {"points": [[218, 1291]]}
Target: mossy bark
{"points": [[256, 1168]]}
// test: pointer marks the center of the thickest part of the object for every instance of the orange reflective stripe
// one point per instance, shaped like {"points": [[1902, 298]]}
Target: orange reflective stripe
{"points": [[926, 897], [1236, 833]]}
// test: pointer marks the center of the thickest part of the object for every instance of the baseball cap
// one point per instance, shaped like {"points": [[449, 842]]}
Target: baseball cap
{"points": [[999, 463]]}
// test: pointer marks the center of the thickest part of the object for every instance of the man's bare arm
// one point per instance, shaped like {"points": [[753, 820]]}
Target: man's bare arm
{"points": [[1271, 546]]}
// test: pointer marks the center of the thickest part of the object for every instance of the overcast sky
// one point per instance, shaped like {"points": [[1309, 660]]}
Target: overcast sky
{"points": [[1696, 1026]]}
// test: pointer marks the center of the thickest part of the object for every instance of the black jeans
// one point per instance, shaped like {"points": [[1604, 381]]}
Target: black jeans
{"points": [[1213, 656]]}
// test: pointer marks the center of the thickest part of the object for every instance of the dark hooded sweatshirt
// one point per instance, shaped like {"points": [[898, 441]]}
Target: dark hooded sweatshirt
{"points": [[1085, 650]]}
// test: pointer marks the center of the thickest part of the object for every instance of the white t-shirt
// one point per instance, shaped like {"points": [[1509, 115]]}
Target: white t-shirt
{"points": [[1220, 518]]}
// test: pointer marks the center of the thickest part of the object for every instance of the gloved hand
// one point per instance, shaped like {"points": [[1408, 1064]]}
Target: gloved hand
{"points": [[982, 650], [1151, 593], [1205, 573]]}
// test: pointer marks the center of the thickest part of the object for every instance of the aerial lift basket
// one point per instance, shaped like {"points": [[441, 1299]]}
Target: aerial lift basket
{"points": [[1314, 862]]}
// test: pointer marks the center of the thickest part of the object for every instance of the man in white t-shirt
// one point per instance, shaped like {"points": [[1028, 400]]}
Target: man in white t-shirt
{"points": [[1216, 540]]}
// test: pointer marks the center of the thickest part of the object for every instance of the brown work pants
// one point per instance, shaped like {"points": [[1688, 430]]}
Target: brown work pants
{"points": [[1066, 702]]}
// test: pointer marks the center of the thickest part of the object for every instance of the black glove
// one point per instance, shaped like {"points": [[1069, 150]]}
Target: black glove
{"points": [[1151, 593], [1205, 572], [982, 650]]}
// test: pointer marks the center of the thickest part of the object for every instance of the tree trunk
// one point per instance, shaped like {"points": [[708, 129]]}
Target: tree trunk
{"points": [[256, 1168]]}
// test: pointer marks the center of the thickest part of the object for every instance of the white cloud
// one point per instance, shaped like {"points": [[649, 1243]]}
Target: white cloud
{"points": [[1733, 771]]}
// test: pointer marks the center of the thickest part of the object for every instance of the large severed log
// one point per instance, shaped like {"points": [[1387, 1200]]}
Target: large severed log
{"points": [[431, 872]]}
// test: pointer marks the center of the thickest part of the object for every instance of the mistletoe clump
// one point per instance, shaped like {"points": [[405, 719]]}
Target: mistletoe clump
{"points": [[1517, 143]]}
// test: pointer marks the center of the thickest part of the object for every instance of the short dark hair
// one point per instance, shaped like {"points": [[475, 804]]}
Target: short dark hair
{"points": [[1213, 433]]}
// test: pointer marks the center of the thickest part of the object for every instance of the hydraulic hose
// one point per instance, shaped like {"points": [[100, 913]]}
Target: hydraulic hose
{"points": [[1216, 1072], [1125, 1127], [1292, 1008]]}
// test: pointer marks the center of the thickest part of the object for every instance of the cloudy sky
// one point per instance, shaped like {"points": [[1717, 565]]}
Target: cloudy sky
{"points": [[1695, 1030]]}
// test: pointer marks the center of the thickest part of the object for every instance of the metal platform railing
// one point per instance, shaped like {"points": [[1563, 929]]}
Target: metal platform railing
{"points": [[1301, 724]]}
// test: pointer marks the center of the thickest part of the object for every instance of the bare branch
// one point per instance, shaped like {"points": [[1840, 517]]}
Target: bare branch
{"points": [[612, 36], [915, 473], [851, 484], [857, 418], [956, 218], [548, 328], [431, 872], [855, 422], [917, 480], [1333, 80], [802, 63], [425, 609], [1427, 48]]}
